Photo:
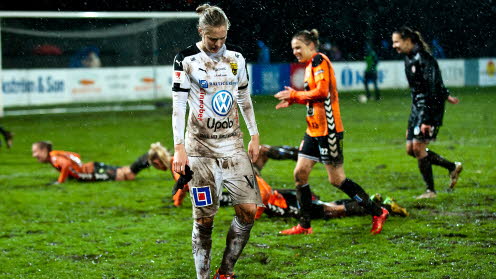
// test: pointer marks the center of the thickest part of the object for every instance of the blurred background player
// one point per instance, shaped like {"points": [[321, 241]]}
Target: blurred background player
{"points": [[323, 140], [428, 97], [7, 136], [212, 78], [370, 75], [69, 164]]}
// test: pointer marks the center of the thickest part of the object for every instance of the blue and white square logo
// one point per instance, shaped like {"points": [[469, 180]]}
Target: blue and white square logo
{"points": [[203, 83], [202, 196]]}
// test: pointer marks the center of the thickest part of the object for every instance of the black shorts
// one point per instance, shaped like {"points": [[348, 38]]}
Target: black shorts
{"points": [[327, 149], [414, 134], [101, 172]]}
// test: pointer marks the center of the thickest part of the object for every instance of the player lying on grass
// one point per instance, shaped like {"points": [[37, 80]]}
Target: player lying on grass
{"points": [[70, 165], [280, 202]]}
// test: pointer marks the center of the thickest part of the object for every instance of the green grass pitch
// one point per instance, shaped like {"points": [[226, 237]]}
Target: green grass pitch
{"points": [[130, 229]]}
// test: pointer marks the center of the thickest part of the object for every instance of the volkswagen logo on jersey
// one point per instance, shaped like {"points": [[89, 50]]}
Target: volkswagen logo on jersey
{"points": [[222, 102], [201, 196]]}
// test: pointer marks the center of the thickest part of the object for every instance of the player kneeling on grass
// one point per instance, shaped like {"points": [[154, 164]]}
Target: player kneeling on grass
{"points": [[70, 165]]}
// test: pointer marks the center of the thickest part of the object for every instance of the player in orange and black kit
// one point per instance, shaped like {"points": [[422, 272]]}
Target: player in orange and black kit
{"points": [[323, 140], [70, 165]]}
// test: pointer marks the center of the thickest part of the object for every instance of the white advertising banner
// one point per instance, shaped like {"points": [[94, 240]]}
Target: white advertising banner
{"points": [[350, 75], [391, 74], [57, 86], [453, 72], [487, 72]]}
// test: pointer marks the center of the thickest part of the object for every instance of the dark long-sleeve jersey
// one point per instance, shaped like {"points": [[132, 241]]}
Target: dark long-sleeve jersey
{"points": [[427, 88]]}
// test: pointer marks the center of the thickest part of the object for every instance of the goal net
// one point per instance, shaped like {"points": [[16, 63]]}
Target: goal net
{"points": [[49, 58]]}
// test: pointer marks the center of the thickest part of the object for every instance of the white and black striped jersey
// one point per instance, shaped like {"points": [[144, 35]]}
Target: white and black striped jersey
{"points": [[211, 84]]}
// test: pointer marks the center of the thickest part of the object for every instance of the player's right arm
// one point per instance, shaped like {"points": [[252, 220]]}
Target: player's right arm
{"points": [[180, 92], [63, 164]]}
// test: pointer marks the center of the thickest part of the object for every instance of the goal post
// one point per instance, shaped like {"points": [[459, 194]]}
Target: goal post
{"points": [[66, 57]]}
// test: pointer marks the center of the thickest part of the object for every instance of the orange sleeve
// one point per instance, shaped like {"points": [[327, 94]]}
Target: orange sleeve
{"points": [[64, 165], [320, 93]]}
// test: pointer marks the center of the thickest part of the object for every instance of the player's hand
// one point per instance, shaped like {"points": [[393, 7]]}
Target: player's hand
{"points": [[282, 104], [425, 129], [284, 94], [180, 159], [453, 100], [254, 148], [183, 180]]}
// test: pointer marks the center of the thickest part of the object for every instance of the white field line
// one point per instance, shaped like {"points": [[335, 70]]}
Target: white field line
{"points": [[77, 110]]}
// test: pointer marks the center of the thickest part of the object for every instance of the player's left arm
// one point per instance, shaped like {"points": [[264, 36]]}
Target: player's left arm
{"points": [[322, 72], [246, 106]]}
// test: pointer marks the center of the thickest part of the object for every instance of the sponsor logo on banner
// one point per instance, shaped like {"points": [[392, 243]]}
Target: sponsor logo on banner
{"points": [[146, 83], [222, 102], [202, 196], [41, 84], [86, 86], [490, 68], [178, 77]]}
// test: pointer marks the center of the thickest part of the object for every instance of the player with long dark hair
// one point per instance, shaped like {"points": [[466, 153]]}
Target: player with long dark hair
{"points": [[211, 77], [428, 97], [323, 140]]}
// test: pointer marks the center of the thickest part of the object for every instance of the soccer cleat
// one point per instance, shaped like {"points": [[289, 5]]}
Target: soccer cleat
{"points": [[395, 207], [378, 221], [224, 276], [427, 195], [455, 174], [297, 230]]}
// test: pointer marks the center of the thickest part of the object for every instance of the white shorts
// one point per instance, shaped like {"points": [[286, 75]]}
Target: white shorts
{"points": [[212, 174]]}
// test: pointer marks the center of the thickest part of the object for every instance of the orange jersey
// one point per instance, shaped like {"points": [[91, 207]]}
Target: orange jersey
{"points": [[268, 197], [69, 164], [320, 97]]}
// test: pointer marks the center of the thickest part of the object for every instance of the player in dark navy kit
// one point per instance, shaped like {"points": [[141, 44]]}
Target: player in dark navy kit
{"points": [[323, 139], [428, 97]]}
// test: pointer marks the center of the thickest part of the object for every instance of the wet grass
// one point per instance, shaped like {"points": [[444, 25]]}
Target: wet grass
{"points": [[130, 229]]}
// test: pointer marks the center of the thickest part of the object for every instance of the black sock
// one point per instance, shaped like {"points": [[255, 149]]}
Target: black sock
{"points": [[357, 193], [353, 208], [304, 196], [140, 163], [3, 131], [425, 167], [439, 160]]}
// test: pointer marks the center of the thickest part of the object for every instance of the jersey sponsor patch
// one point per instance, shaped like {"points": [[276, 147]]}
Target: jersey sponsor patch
{"points": [[234, 68], [203, 83], [222, 102], [202, 196], [178, 77]]}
